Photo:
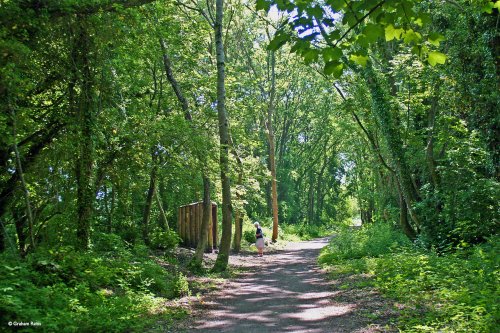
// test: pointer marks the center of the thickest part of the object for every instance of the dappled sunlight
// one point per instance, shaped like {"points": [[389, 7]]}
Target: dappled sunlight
{"points": [[321, 313], [286, 292]]}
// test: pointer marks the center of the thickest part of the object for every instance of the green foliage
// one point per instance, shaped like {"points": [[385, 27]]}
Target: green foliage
{"points": [[449, 293], [70, 291], [249, 236], [164, 240], [370, 240]]}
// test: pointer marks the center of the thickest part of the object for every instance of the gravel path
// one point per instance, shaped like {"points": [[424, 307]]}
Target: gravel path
{"points": [[287, 292]]}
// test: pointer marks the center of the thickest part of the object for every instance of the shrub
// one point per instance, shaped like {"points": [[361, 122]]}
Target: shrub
{"points": [[456, 292], [164, 240], [370, 241], [249, 236]]}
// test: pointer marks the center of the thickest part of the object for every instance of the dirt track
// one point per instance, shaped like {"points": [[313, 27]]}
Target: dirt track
{"points": [[287, 292]]}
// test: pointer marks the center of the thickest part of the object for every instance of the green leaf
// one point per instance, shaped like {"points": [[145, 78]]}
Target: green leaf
{"points": [[263, 4], [315, 11], [362, 41], [488, 8], [392, 33], [359, 59], [373, 31], [435, 58], [332, 53], [435, 38], [334, 68], [279, 40], [311, 56], [411, 36], [336, 5]]}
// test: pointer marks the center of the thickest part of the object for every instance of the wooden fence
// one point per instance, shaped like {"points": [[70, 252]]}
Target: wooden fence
{"points": [[189, 225]]}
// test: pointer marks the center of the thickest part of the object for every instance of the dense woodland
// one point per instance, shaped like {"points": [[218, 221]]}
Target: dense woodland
{"points": [[301, 115]]}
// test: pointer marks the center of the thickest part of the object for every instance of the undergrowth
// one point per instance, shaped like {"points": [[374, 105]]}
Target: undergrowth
{"points": [[109, 289], [454, 292]]}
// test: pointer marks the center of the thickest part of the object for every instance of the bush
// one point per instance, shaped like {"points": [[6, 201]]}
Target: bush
{"points": [[249, 236], [72, 291], [107, 243], [164, 240], [456, 292], [371, 240]]}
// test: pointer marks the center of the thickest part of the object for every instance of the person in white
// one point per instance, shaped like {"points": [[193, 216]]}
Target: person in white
{"points": [[259, 239]]}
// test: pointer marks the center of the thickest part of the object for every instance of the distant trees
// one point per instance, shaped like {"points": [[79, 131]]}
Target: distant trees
{"points": [[119, 118]]}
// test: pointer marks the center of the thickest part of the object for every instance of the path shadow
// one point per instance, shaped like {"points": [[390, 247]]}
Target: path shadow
{"points": [[282, 292]]}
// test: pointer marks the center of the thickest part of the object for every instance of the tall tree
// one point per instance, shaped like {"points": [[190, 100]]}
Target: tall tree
{"points": [[85, 120], [272, 146], [225, 244]]}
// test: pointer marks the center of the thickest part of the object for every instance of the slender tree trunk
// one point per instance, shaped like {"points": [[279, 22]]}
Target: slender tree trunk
{"points": [[239, 213], [403, 217], [382, 112], [2, 237], [163, 217], [429, 150], [319, 189], [26, 193], [19, 223], [197, 259], [225, 244], [238, 217], [84, 167], [149, 198], [111, 211], [272, 148], [310, 199], [173, 82]]}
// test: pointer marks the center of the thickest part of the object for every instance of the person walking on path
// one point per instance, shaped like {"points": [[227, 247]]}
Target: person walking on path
{"points": [[259, 241]]}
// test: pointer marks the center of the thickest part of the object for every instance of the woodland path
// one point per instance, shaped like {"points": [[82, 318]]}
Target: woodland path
{"points": [[286, 291]]}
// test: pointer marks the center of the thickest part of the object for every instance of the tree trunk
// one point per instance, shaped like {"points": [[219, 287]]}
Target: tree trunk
{"points": [[272, 148], [19, 170], [173, 82], [382, 112], [403, 217], [19, 223], [429, 150], [85, 161], [310, 199], [238, 218], [163, 217], [149, 199], [2, 237], [238, 214], [319, 189], [196, 261], [225, 244], [111, 211]]}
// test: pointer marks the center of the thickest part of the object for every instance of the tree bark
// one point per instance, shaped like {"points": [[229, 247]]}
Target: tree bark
{"points": [[429, 149], [19, 170], [2, 237], [149, 198], [85, 114], [382, 113], [310, 199], [163, 217], [42, 141], [403, 217], [173, 82], [238, 214], [272, 148], [225, 244]]}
